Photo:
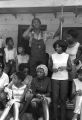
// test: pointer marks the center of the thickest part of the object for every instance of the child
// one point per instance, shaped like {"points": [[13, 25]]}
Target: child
{"points": [[22, 58], [10, 56], [17, 90], [77, 91]]}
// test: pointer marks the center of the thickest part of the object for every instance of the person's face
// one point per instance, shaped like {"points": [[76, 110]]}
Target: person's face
{"points": [[20, 50], [10, 43], [80, 76], [26, 70], [69, 39], [36, 24], [40, 73], [58, 49]]}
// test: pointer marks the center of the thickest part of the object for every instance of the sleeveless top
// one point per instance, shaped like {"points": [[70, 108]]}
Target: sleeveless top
{"points": [[78, 84], [22, 58], [58, 61], [18, 92], [73, 51], [10, 54]]}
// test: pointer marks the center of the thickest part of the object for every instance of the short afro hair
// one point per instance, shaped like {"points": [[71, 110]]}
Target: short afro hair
{"points": [[37, 20], [8, 39], [62, 44], [73, 33], [20, 76]]}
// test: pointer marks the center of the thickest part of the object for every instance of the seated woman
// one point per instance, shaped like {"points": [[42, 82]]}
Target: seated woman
{"points": [[77, 92], [41, 88], [16, 91]]}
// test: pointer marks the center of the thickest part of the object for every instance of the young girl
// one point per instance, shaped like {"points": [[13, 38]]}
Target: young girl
{"points": [[77, 91], [22, 58], [10, 56], [16, 91], [60, 65]]}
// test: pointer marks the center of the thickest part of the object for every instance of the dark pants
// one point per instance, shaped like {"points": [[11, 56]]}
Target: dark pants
{"points": [[10, 67], [59, 94]]}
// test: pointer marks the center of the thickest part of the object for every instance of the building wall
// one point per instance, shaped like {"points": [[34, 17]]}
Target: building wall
{"points": [[9, 24]]}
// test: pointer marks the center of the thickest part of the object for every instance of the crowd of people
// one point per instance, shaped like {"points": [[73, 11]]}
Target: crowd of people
{"points": [[26, 78]]}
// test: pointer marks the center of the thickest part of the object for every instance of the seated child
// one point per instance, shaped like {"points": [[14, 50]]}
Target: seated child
{"points": [[77, 92], [10, 54], [41, 87], [22, 57], [16, 91]]}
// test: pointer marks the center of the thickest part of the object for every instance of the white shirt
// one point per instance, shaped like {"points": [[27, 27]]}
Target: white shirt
{"points": [[73, 51], [78, 84], [60, 60], [10, 54], [22, 58], [4, 80], [18, 92]]}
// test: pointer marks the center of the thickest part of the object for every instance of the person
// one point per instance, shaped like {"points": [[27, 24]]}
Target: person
{"points": [[2, 56], [27, 81], [4, 81], [22, 57], [37, 39], [77, 92], [41, 86], [16, 92], [59, 64], [74, 49], [10, 54], [2, 43]]}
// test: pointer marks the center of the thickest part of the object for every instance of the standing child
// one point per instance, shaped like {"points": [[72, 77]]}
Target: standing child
{"points": [[22, 57], [77, 91], [10, 56]]}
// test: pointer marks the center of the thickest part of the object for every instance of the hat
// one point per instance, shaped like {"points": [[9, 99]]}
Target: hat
{"points": [[44, 67], [80, 70]]}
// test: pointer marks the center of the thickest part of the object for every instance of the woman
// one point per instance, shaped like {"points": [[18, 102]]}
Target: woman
{"points": [[74, 50], [16, 91], [41, 88], [37, 39], [60, 65]]}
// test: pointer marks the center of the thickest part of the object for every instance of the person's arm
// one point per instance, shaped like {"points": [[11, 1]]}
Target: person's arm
{"points": [[69, 65], [48, 89], [27, 32], [33, 88], [50, 66]]}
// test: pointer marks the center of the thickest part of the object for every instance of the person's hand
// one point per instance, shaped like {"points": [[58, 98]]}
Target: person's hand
{"points": [[79, 92], [76, 62], [61, 68], [38, 95], [55, 70], [30, 27]]}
